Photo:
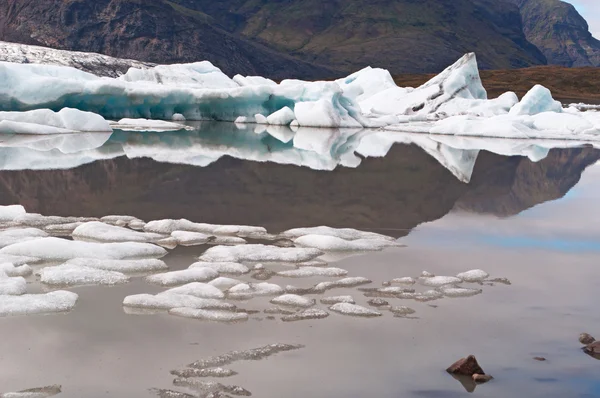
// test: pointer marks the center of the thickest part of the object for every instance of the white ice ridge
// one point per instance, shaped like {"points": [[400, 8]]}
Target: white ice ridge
{"points": [[45, 121], [75, 275], [29, 304], [96, 231], [258, 253], [167, 301], [147, 125]]}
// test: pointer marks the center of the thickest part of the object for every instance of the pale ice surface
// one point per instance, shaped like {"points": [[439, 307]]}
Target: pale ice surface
{"points": [[28, 304], [476, 275], [293, 300], [12, 271], [224, 283], [40, 392], [167, 301], [56, 249], [128, 124], [337, 299], [124, 266], [70, 274], [354, 310], [209, 315], [343, 283], [186, 238], [16, 235], [307, 272], [46, 121], [259, 253], [406, 280], [198, 289], [438, 281], [169, 226], [9, 213], [333, 243], [200, 274], [305, 315], [96, 231], [459, 292], [402, 310], [246, 291], [12, 286], [342, 233], [229, 268]]}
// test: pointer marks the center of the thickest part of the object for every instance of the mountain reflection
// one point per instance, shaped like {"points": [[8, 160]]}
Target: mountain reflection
{"points": [[224, 174]]}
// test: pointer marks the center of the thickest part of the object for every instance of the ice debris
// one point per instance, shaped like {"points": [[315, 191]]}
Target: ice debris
{"points": [[198, 289], [96, 231], [29, 304], [123, 266], [472, 276], [148, 125], [255, 354], [309, 314], [307, 272], [293, 300], [45, 121], [71, 274], [337, 299], [459, 291], [10, 270], [169, 226], [438, 281], [16, 235], [258, 253], [209, 315], [167, 301], [12, 286], [211, 388], [224, 283], [204, 372], [229, 268], [200, 274], [40, 392], [245, 291], [333, 243], [354, 310]]}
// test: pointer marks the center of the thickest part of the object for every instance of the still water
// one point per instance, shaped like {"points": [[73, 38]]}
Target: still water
{"points": [[455, 206]]}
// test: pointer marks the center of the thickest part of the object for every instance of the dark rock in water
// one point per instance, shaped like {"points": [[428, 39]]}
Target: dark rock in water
{"points": [[480, 379], [466, 366], [586, 339], [540, 359], [593, 350], [377, 302]]}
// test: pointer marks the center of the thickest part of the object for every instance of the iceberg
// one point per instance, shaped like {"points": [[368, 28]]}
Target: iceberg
{"points": [[337, 299], [96, 231], [333, 243], [246, 291], [29, 304], [309, 314], [259, 253], [11, 271], [16, 235], [224, 283], [197, 289], [293, 300], [45, 121], [10, 213]]}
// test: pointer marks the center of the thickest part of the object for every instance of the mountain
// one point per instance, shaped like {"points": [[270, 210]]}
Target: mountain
{"points": [[560, 32], [292, 38]]}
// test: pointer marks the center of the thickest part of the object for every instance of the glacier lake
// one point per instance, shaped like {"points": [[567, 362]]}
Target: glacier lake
{"points": [[402, 208]]}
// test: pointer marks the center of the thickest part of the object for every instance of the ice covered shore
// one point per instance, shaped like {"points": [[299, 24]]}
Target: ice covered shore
{"points": [[452, 103]]}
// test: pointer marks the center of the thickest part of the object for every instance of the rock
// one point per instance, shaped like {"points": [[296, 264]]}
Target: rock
{"points": [[540, 359], [466, 366], [586, 339], [481, 378], [593, 349]]}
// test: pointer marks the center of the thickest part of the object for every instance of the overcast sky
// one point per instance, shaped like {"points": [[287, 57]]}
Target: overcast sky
{"points": [[590, 9]]}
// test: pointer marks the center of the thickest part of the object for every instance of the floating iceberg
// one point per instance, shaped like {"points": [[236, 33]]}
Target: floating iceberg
{"points": [[309, 314], [170, 226], [342, 233], [40, 392], [224, 283], [28, 304], [438, 281], [246, 291], [15, 235], [45, 121], [333, 243], [198, 289], [293, 300], [148, 125], [258, 253], [475, 275], [337, 299], [354, 310], [10, 213], [11, 271]]}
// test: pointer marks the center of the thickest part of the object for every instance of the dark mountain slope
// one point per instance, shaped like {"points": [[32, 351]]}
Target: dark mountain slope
{"points": [[560, 32]]}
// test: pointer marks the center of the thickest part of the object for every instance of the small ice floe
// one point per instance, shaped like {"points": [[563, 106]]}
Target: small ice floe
{"points": [[259, 253], [123, 266], [75, 275], [354, 310], [12, 286], [246, 291], [429, 295], [18, 260], [402, 311], [229, 268], [209, 315], [438, 281], [342, 283], [427, 274], [337, 299], [200, 274], [29, 304], [186, 238], [210, 388], [307, 272], [342, 233], [148, 125], [255, 354], [389, 292], [378, 302], [15, 235], [10, 270], [41, 392], [333, 243], [198, 289], [167, 301], [309, 314], [97, 231], [56, 249], [293, 300], [9, 213], [224, 283], [407, 280], [204, 372], [163, 393], [169, 226], [473, 276], [450, 291]]}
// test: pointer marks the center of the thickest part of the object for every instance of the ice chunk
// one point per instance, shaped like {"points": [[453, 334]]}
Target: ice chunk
{"points": [[337, 299], [28, 304], [229, 268], [537, 100], [427, 274], [332, 111], [429, 295], [342, 283], [148, 125], [438, 281], [342, 233], [178, 117], [56, 249], [197, 289], [12, 286], [309, 314], [164, 393], [185, 238], [307, 272], [407, 280], [41, 392], [459, 291], [169, 226], [10, 270], [475, 275], [259, 253], [402, 310], [282, 117], [167, 301], [253, 81], [18, 260], [200, 274], [254, 354], [245, 291], [124, 266], [62, 229], [332, 243], [209, 315], [210, 388], [45, 121], [204, 372], [224, 283], [96, 231], [292, 300], [70, 274], [354, 310], [9, 213]]}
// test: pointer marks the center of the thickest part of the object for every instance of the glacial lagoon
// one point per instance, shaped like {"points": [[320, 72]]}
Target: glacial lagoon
{"points": [[523, 211]]}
